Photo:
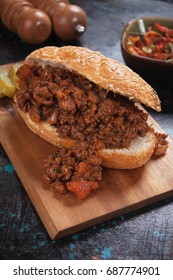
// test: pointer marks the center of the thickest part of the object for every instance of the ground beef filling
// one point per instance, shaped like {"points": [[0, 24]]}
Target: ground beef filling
{"points": [[161, 144], [73, 170], [82, 111], [78, 108]]}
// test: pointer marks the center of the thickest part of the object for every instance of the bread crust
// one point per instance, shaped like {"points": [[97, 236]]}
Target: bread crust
{"points": [[46, 131], [105, 72], [138, 154]]}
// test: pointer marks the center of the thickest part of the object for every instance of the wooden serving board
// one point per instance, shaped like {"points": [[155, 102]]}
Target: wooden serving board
{"points": [[121, 190]]}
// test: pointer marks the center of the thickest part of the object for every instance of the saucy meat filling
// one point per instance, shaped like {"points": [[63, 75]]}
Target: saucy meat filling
{"points": [[81, 110], [74, 169]]}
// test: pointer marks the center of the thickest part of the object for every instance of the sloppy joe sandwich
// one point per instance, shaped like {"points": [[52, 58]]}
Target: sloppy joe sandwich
{"points": [[87, 106]]}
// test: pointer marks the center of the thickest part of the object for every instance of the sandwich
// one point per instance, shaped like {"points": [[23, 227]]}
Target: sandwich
{"points": [[88, 106]]}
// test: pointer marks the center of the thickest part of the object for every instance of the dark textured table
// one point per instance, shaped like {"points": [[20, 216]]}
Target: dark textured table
{"points": [[144, 234]]}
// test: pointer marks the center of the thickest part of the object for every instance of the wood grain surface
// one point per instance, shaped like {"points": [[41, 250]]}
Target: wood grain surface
{"points": [[121, 190]]}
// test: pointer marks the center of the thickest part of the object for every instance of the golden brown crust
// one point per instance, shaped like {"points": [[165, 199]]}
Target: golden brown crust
{"points": [[105, 72]]}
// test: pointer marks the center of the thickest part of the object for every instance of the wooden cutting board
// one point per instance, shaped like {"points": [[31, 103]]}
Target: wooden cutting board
{"points": [[121, 190]]}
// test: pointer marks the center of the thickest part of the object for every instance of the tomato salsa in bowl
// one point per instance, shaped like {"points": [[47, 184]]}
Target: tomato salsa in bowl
{"points": [[147, 48]]}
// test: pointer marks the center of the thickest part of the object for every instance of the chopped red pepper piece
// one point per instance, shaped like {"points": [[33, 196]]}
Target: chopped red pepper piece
{"points": [[156, 43], [82, 188], [167, 31]]}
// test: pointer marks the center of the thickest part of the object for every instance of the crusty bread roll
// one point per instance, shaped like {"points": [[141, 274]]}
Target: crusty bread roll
{"points": [[110, 75]]}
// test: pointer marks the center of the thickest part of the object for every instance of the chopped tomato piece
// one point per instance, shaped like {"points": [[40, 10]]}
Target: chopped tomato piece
{"points": [[82, 188], [156, 43]]}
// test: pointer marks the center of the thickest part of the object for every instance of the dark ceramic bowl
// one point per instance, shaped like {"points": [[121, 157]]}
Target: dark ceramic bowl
{"points": [[152, 70]]}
